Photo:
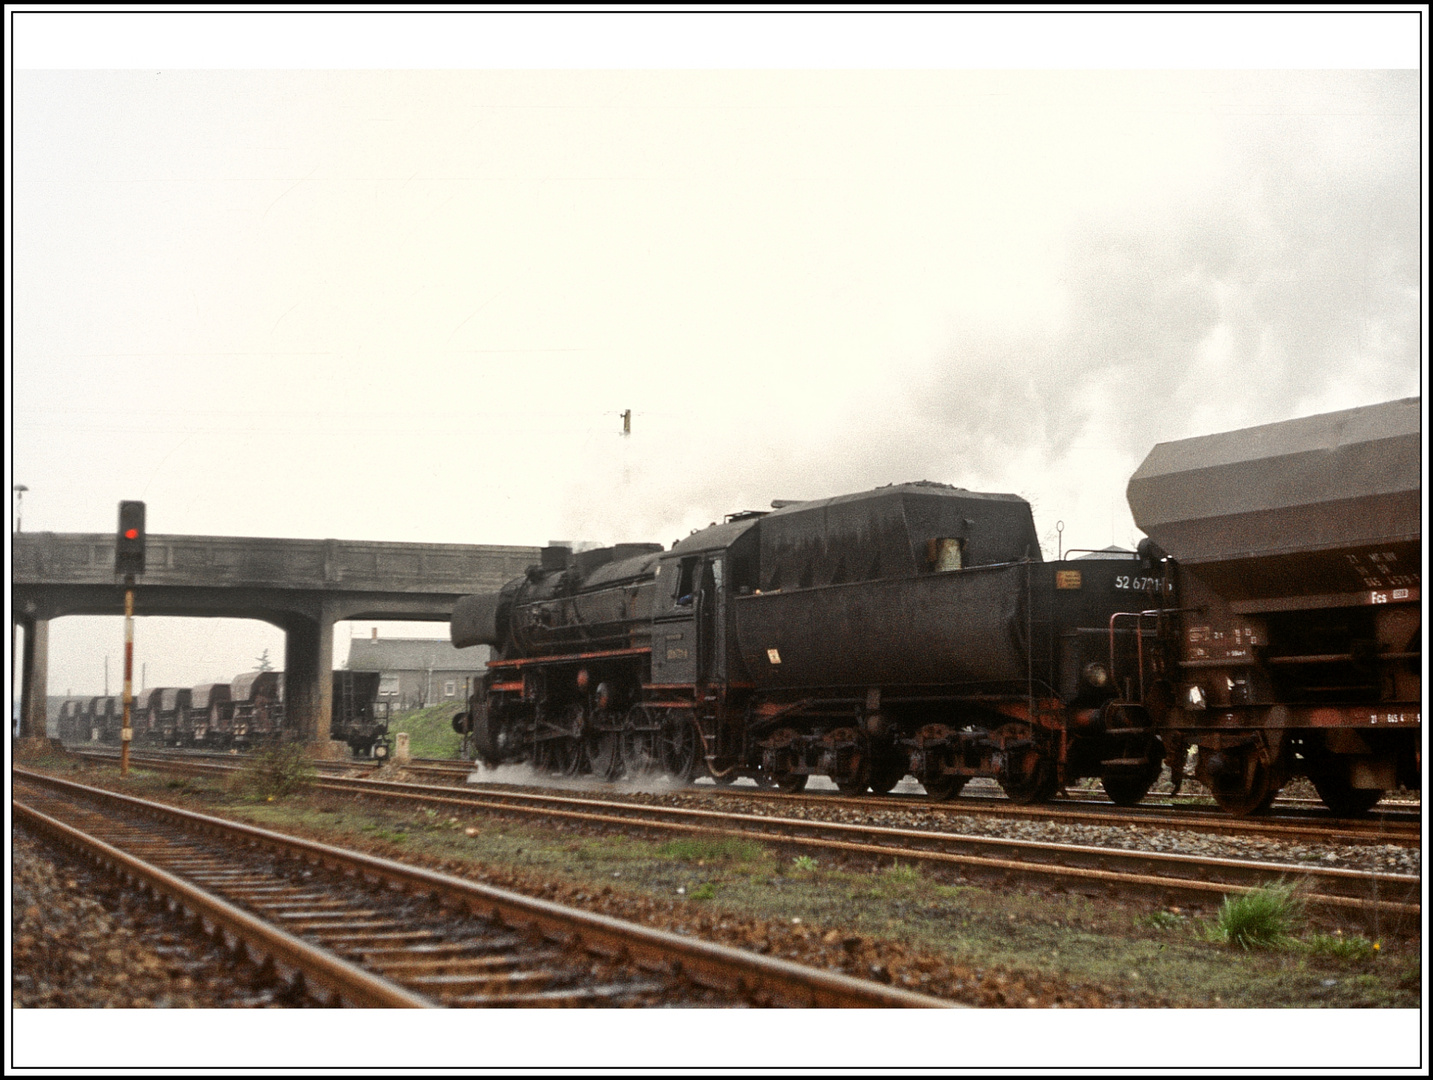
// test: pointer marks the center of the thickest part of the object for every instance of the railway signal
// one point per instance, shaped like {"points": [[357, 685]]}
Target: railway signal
{"points": [[128, 560], [129, 544]]}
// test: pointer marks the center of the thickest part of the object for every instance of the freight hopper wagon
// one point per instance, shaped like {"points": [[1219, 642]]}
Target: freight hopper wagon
{"points": [[1294, 644], [71, 725], [911, 629], [355, 718], [208, 714]]}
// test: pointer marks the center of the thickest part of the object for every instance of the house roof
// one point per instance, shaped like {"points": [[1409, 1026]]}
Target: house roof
{"points": [[413, 654]]}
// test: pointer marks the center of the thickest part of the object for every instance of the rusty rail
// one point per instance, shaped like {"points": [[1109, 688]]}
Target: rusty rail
{"points": [[705, 962], [335, 977]]}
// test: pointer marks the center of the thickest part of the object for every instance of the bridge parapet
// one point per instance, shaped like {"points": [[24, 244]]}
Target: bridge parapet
{"points": [[270, 563]]}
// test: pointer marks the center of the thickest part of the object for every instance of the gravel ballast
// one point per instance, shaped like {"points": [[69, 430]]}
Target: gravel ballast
{"points": [[81, 941]]}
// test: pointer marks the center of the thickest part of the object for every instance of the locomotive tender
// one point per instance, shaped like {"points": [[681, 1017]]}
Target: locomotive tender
{"points": [[1271, 621], [910, 629]]}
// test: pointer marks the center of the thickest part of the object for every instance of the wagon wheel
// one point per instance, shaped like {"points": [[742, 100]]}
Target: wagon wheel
{"points": [[1343, 798], [888, 770], [679, 746], [1128, 788], [1245, 788], [604, 754], [943, 787], [859, 778], [1029, 777], [782, 776]]}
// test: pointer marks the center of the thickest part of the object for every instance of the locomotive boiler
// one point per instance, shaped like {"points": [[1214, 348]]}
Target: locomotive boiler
{"points": [[1292, 640], [913, 629]]}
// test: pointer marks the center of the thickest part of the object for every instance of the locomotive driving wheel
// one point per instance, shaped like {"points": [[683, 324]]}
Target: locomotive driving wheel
{"points": [[604, 754], [679, 745], [639, 743], [558, 756]]}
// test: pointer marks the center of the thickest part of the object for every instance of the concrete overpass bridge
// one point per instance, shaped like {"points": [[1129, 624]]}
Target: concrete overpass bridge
{"points": [[300, 586]]}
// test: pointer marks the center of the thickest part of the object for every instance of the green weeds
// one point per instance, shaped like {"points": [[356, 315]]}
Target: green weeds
{"points": [[712, 849], [1162, 920], [273, 773], [1341, 946], [899, 873], [1264, 918]]}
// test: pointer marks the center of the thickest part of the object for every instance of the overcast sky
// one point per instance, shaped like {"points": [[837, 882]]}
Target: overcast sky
{"points": [[412, 304], [396, 278]]}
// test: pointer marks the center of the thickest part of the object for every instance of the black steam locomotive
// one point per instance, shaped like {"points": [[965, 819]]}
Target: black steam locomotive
{"points": [[910, 629], [1271, 621]]}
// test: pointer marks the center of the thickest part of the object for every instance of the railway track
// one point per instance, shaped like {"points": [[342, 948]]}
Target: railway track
{"points": [[369, 932], [1305, 826], [1350, 895], [1393, 828]]}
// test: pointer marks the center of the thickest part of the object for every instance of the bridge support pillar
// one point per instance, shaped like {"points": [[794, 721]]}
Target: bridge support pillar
{"points": [[34, 678], [308, 680]]}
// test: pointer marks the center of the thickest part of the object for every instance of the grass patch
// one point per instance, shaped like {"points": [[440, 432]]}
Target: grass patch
{"points": [[1341, 946], [430, 730], [805, 862], [705, 891], [274, 773], [899, 873], [712, 849], [1162, 920], [1264, 918]]}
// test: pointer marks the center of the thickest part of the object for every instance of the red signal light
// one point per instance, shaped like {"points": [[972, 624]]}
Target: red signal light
{"points": [[129, 539]]}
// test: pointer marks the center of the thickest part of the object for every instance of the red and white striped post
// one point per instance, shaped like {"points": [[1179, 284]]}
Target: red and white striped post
{"points": [[125, 732], [128, 560]]}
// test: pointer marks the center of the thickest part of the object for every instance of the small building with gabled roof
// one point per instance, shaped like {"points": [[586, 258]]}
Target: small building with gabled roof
{"points": [[418, 671]]}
